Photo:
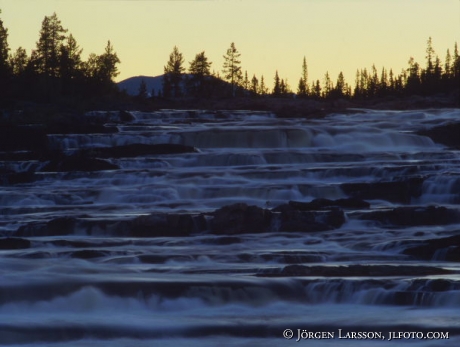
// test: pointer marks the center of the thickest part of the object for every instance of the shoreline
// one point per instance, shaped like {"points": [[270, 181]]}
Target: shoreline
{"points": [[69, 112]]}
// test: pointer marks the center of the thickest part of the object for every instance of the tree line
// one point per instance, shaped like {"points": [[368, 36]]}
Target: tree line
{"points": [[55, 69], [199, 81]]}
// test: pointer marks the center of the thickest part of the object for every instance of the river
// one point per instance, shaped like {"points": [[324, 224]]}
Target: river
{"points": [[110, 288]]}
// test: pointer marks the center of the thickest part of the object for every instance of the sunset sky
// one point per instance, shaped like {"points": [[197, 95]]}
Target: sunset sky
{"points": [[333, 35]]}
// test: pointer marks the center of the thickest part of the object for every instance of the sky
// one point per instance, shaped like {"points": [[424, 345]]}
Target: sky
{"points": [[271, 35]]}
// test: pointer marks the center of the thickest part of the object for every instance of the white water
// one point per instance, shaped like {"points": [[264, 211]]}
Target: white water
{"points": [[204, 290]]}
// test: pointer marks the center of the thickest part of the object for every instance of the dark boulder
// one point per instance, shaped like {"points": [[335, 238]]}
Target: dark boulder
{"points": [[310, 221], [239, 219], [326, 204], [10, 177], [56, 227], [14, 243], [61, 226], [165, 224], [223, 240], [79, 127], [88, 254], [18, 138], [401, 190], [139, 149], [77, 162], [448, 134], [125, 116], [353, 271], [413, 215]]}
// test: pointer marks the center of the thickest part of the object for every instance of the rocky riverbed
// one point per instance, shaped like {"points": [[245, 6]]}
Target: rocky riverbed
{"points": [[174, 225]]}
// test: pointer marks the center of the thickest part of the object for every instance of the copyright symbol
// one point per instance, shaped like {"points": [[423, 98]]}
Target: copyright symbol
{"points": [[288, 334]]}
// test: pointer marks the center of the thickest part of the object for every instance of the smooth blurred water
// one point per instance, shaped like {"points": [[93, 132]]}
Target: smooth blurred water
{"points": [[207, 290]]}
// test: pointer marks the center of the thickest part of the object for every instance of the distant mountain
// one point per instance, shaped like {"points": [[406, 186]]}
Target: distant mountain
{"points": [[131, 85]]}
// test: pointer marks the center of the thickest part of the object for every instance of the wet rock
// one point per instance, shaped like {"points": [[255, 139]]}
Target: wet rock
{"points": [[448, 134], [223, 241], [14, 243], [443, 249], [17, 138], [125, 116], [413, 216], [88, 254], [10, 177], [101, 117], [32, 229], [163, 224], [78, 126], [401, 190], [61, 226], [135, 150], [310, 221], [353, 271], [286, 257], [77, 162], [55, 227], [323, 204], [239, 219]]}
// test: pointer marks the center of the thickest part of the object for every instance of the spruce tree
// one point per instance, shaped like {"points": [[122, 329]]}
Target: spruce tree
{"points": [[413, 77], [246, 81], [49, 46], [263, 90], [71, 65], [4, 49], [254, 85], [277, 85], [19, 61], [327, 85], [447, 65], [456, 66], [108, 64], [302, 89], [200, 71], [232, 67], [340, 87], [173, 74]]}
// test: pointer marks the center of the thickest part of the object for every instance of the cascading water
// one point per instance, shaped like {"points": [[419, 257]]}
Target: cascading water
{"points": [[79, 277]]}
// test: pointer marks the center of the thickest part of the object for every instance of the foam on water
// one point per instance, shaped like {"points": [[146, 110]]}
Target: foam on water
{"points": [[99, 288]]}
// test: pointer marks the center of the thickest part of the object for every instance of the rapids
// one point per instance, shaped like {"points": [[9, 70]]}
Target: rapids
{"points": [[106, 289]]}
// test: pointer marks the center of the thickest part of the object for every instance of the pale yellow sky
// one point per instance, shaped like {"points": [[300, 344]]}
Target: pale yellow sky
{"points": [[333, 35]]}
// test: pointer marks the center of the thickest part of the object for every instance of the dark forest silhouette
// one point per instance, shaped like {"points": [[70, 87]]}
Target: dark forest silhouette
{"points": [[55, 71]]}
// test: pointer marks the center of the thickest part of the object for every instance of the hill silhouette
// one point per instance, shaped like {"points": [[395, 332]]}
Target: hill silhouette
{"points": [[131, 85]]}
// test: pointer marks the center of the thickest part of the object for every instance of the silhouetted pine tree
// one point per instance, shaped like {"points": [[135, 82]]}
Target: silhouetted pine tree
{"points": [[198, 84], [340, 89], [413, 79], [71, 66], [263, 90], [254, 85], [4, 49], [456, 68], [246, 81], [232, 67], [328, 86], [5, 68], [19, 61], [173, 71], [277, 85], [302, 89], [49, 46]]}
